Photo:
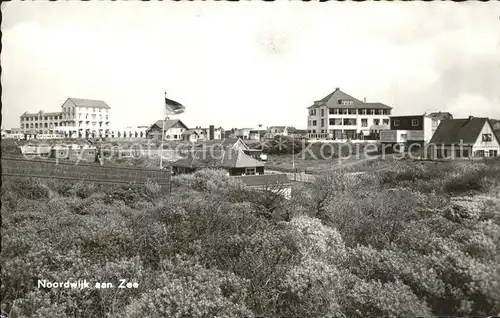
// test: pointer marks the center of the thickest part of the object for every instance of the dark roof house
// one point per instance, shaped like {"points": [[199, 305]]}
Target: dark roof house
{"points": [[460, 131], [236, 162], [208, 158]]}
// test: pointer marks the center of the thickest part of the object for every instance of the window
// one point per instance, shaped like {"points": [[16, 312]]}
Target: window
{"points": [[414, 122], [335, 121], [376, 121], [322, 122], [322, 113], [386, 121], [479, 153], [396, 122], [487, 137], [250, 171], [333, 111], [493, 153], [364, 122], [349, 121], [314, 122]]}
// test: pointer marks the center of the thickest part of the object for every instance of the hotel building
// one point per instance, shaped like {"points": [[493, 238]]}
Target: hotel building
{"points": [[340, 116]]}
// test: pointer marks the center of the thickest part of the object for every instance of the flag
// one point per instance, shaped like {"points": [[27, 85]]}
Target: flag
{"points": [[172, 107]]}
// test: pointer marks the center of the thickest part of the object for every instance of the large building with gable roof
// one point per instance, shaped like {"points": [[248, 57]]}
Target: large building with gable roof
{"points": [[78, 118], [340, 116]]}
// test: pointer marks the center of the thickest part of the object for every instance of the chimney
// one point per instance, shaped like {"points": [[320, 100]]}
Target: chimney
{"points": [[471, 117], [364, 99], [337, 88]]}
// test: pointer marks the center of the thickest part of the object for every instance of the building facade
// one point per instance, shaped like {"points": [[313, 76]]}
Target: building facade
{"points": [[79, 118], [173, 130], [40, 122], [339, 116], [408, 130]]}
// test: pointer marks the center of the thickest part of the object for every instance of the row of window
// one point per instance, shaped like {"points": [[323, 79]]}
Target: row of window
{"points": [[350, 111], [414, 122], [36, 118], [71, 109], [347, 121]]}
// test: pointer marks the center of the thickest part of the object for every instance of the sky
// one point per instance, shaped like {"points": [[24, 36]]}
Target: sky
{"points": [[241, 64]]}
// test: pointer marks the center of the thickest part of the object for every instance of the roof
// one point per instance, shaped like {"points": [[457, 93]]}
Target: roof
{"points": [[263, 180], [169, 123], [210, 158], [331, 101], [441, 115], [190, 132], [26, 114], [84, 102], [230, 142], [454, 131]]}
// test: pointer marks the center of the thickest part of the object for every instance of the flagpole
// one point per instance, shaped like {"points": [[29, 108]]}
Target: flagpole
{"points": [[162, 135]]}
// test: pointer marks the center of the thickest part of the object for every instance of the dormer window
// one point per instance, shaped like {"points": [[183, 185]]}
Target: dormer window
{"points": [[345, 102]]}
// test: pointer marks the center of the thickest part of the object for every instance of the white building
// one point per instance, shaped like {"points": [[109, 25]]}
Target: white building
{"points": [[340, 116], [79, 118], [409, 130], [173, 130], [86, 117]]}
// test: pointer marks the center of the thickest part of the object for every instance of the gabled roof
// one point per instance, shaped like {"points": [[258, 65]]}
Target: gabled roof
{"points": [[264, 180], [190, 132], [454, 131], [169, 123], [84, 102], [333, 97], [231, 142], [212, 158], [332, 101], [41, 112]]}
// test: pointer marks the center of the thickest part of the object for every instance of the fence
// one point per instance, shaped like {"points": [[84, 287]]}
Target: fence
{"points": [[25, 168]]}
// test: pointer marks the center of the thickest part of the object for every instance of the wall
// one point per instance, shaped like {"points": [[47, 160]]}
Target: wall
{"points": [[405, 123], [486, 146], [91, 173]]}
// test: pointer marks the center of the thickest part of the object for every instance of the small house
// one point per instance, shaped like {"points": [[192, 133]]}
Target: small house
{"points": [[173, 129], [235, 162], [472, 137]]}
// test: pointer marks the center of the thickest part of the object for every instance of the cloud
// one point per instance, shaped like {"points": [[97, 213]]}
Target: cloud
{"points": [[247, 63]]}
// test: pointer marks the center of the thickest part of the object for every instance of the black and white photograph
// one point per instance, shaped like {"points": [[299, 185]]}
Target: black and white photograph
{"points": [[209, 159]]}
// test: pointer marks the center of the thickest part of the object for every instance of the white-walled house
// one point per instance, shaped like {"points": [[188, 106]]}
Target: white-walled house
{"points": [[406, 131], [464, 138], [173, 130], [339, 116]]}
